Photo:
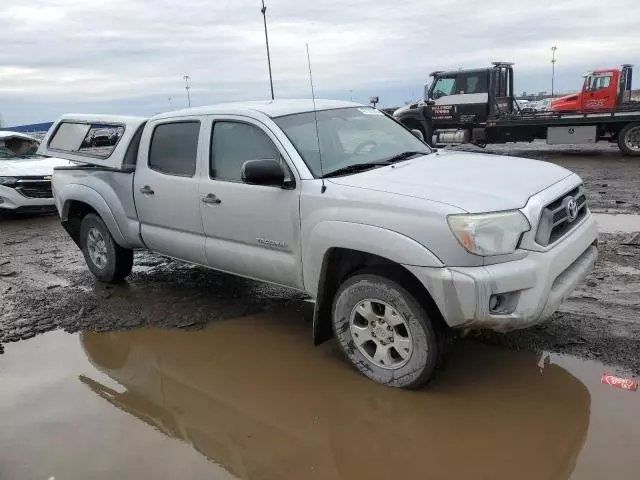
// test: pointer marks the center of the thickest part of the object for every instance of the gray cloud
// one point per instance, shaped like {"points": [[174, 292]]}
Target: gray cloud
{"points": [[130, 55]]}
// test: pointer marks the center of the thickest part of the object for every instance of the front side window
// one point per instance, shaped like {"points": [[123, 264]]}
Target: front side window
{"points": [[233, 143], [174, 148], [347, 136], [598, 82], [442, 87]]}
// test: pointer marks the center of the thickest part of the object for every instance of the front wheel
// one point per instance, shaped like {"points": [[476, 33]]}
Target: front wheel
{"points": [[385, 332], [107, 260], [629, 139]]}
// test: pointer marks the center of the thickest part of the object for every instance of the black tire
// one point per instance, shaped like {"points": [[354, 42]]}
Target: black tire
{"points": [[624, 139], [119, 261], [424, 331]]}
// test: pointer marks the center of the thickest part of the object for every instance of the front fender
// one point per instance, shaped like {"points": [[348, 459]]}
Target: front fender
{"points": [[84, 194], [365, 238]]}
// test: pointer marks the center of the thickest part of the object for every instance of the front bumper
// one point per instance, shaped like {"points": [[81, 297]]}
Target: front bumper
{"points": [[533, 287], [13, 201]]}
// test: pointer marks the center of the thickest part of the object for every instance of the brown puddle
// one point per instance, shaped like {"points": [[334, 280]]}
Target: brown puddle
{"points": [[251, 398]]}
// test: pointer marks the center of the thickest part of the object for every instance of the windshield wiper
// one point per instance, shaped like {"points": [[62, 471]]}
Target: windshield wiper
{"points": [[360, 167], [357, 167], [405, 156]]}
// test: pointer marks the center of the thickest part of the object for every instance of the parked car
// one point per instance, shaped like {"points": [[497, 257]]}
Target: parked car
{"points": [[396, 243], [25, 177]]}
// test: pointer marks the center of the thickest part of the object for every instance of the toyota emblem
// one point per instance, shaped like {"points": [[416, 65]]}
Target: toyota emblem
{"points": [[572, 209]]}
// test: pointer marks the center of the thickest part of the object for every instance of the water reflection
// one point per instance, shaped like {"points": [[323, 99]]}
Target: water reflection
{"points": [[254, 396]]}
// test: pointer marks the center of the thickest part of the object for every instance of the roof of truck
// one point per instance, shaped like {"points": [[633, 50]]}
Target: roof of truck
{"points": [[452, 73], [271, 108]]}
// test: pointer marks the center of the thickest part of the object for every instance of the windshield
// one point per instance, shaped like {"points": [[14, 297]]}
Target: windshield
{"points": [[348, 136], [16, 147]]}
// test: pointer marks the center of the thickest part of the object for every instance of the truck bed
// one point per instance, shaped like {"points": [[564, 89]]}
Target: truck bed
{"points": [[552, 119]]}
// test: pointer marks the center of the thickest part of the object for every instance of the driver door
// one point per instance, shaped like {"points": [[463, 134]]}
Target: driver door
{"points": [[599, 95], [251, 230]]}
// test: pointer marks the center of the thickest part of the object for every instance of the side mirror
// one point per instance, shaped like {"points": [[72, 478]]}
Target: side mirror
{"points": [[266, 172], [417, 133]]}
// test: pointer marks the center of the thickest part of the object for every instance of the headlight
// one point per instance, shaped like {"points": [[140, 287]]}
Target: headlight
{"points": [[8, 181], [489, 233]]}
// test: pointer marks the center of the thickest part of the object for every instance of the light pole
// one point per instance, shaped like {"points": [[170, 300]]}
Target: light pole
{"points": [[553, 67], [187, 88], [266, 37]]}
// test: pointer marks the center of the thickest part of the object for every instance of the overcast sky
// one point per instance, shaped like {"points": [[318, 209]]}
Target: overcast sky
{"points": [[129, 56]]}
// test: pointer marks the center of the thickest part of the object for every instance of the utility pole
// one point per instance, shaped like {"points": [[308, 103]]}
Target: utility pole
{"points": [[187, 88], [170, 104], [553, 67], [266, 37]]}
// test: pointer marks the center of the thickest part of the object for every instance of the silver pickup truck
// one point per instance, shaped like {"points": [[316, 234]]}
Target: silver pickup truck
{"points": [[397, 244]]}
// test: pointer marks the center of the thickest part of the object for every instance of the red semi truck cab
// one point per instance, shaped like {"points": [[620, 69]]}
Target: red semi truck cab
{"points": [[602, 90]]}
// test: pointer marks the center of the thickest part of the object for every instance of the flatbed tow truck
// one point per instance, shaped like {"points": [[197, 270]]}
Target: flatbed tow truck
{"points": [[478, 106]]}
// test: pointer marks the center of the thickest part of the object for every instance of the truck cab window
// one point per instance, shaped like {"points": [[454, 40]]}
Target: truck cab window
{"points": [[442, 87], [472, 84], [598, 82], [174, 148], [233, 143]]}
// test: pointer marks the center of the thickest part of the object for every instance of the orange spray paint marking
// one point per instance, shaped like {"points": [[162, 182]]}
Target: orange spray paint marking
{"points": [[618, 382]]}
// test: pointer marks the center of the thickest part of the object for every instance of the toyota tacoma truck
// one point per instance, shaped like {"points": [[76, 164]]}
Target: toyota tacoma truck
{"points": [[398, 245]]}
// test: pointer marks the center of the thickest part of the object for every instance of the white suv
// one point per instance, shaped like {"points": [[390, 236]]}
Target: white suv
{"points": [[25, 178]]}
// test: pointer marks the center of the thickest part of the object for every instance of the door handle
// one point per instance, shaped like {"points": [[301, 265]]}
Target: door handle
{"points": [[146, 190], [211, 199]]}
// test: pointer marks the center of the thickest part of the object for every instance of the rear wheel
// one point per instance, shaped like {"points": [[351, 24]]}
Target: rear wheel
{"points": [[629, 139], [107, 260], [385, 332]]}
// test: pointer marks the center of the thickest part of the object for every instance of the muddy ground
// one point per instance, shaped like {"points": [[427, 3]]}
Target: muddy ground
{"points": [[45, 285]]}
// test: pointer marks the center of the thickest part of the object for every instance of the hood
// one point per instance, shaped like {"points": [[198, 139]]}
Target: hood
{"points": [[403, 109], [7, 134], [30, 166], [568, 100], [471, 181]]}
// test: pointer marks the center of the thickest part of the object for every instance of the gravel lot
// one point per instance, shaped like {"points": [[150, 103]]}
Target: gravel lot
{"points": [[45, 285]]}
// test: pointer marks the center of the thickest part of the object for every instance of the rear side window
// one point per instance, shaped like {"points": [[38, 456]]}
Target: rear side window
{"points": [[174, 148], [471, 83], [95, 140]]}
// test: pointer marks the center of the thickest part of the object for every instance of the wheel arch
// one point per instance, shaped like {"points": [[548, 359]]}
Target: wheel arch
{"points": [[82, 200], [330, 259]]}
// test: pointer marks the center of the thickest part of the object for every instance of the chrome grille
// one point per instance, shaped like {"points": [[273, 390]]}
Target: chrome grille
{"points": [[555, 220], [34, 187]]}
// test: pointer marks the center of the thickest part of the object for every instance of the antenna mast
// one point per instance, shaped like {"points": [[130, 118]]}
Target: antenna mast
{"points": [[315, 117], [266, 37]]}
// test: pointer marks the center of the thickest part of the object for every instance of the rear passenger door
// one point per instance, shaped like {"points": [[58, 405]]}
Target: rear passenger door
{"points": [[252, 230], [166, 189]]}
